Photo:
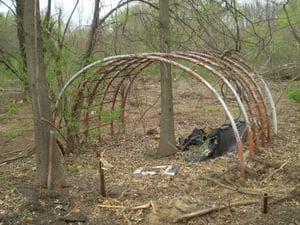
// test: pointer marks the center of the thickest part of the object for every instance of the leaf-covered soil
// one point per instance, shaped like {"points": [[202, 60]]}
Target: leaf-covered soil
{"points": [[213, 190]]}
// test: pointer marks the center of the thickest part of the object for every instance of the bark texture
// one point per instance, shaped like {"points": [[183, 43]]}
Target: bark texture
{"points": [[39, 97]]}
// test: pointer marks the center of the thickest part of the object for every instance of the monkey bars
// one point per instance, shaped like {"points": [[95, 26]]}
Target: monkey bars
{"points": [[105, 91]]}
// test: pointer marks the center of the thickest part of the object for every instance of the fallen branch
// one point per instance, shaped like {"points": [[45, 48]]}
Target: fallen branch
{"points": [[219, 183], [29, 153], [111, 206], [237, 189], [269, 164], [275, 171], [212, 209], [144, 206], [147, 205]]}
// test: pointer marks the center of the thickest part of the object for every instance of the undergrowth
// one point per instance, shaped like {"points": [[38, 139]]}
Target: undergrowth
{"points": [[294, 94]]}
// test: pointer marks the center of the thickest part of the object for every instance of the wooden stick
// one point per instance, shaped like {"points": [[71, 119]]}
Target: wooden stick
{"points": [[111, 206], [154, 206], [237, 189], [145, 206], [50, 161], [2, 164], [102, 179], [212, 209]]}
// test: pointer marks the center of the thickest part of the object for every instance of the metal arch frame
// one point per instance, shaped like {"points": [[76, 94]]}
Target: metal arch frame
{"points": [[240, 64], [237, 97], [158, 57], [207, 58], [209, 61], [267, 90], [197, 62], [238, 61], [219, 98]]}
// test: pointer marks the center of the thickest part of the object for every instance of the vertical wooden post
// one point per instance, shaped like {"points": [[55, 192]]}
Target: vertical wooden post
{"points": [[50, 160], [102, 179]]}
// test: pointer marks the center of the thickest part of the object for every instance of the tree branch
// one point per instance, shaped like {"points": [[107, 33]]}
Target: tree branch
{"points": [[212, 209], [294, 33], [67, 25], [10, 9]]}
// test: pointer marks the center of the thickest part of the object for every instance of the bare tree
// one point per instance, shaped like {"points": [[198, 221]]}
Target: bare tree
{"points": [[167, 137], [93, 32], [40, 101]]}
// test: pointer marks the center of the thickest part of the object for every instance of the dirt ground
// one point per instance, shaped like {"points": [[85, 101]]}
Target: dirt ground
{"points": [[209, 192]]}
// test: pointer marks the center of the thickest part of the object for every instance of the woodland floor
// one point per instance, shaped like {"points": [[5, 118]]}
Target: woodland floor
{"points": [[156, 199]]}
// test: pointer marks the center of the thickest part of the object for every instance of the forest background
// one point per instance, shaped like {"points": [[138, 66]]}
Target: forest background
{"points": [[265, 33]]}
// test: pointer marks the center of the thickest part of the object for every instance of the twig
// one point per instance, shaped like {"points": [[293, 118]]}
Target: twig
{"points": [[240, 190], [56, 128], [111, 206], [212, 209], [275, 171], [145, 112], [145, 206], [266, 163], [29, 153], [6, 141], [2, 164], [219, 183], [127, 220]]}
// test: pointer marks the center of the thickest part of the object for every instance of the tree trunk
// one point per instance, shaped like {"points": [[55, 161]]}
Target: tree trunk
{"points": [[21, 39], [167, 139], [40, 100], [93, 32]]}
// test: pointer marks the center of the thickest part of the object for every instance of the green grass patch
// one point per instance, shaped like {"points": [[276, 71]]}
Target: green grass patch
{"points": [[3, 177], [213, 108], [294, 94], [4, 181], [9, 134], [72, 169], [27, 214]]}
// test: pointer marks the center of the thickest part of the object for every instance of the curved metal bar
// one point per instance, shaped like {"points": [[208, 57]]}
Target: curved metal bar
{"points": [[207, 60], [205, 57], [197, 61], [271, 101], [241, 64], [221, 67], [259, 110], [132, 61], [250, 75], [219, 98], [138, 63], [103, 75], [80, 72], [129, 88]]}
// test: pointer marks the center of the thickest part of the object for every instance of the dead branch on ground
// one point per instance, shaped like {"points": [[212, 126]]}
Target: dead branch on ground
{"points": [[29, 153], [212, 209]]}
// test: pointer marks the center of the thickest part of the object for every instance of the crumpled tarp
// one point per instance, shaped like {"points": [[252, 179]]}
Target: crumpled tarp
{"points": [[214, 143]]}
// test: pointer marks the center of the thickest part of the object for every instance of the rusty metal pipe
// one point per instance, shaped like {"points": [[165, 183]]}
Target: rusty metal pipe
{"points": [[265, 203]]}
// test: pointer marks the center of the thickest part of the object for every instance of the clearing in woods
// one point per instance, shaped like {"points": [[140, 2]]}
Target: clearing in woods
{"points": [[213, 189]]}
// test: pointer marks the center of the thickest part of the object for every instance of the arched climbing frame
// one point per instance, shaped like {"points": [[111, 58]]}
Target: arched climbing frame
{"points": [[112, 79]]}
